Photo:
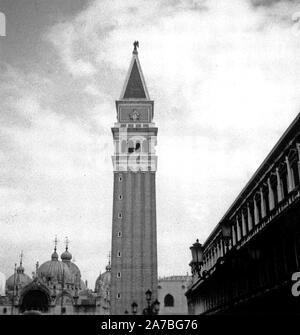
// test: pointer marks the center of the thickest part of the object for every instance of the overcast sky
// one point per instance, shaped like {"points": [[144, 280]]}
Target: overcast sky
{"points": [[225, 78]]}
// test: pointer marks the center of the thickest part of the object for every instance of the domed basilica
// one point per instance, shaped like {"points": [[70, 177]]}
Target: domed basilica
{"points": [[56, 287]]}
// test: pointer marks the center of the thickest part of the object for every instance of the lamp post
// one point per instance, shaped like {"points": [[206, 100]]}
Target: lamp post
{"points": [[152, 308], [197, 258], [134, 306], [226, 232]]}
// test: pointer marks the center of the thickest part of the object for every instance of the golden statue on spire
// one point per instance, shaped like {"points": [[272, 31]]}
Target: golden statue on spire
{"points": [[135, 45]]}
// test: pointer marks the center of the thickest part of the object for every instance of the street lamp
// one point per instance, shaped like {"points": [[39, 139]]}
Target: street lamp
{"points": [[197, 257], [134, 306], [152, 309], [148, 297], [226, 231], [156, 306]]}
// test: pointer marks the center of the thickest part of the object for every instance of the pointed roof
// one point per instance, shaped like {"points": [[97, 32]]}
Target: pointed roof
{"points": [[135, 85]]}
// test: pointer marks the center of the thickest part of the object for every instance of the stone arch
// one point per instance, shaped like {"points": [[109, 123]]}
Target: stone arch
{"points": [[35, 296]]}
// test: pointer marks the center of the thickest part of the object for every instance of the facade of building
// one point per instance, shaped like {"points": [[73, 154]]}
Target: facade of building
{"points": [[134, 246], [55, 288], [171, 295], [248, 270]]}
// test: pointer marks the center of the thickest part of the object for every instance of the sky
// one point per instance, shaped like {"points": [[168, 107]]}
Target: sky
{"points": [[225, 78]]}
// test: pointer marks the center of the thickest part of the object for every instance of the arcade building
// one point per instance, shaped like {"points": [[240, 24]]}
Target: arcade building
{"points": [[246, 264]]}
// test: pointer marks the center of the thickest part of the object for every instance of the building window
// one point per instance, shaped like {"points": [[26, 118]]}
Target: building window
{"points": [[169, 300], [63, 310], [119, 254], [119, 234], [120, 215], [120, 178], [120, 197], [119, 274], [4, 310], [118, 295]]}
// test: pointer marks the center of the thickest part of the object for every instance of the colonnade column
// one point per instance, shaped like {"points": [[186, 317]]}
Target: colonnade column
{"points": [[271, 195], [256, 214], [290, 179], [262, 203], [249, 216], [279, 186]]}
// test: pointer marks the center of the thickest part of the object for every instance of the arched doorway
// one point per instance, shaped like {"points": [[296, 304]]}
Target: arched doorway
{"points": [[36, 300]]}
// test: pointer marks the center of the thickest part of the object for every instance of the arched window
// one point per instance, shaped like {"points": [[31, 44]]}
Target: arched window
{"points": [[169, 300]]}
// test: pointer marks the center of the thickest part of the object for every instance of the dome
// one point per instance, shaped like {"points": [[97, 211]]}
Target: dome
{"points": [[106, 276], [75, 273], [66, 256], [54, 256], [103, 281], [55, 270], [18, 279]]}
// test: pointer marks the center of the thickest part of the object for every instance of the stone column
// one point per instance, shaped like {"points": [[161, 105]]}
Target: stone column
{"points": [[238, 229], [244, 228], [262, 203], [271, 195], [249, 217], [290, 177], [279, 186], [218, 251], [222, 248], [233, 235], [256, 214], [298, 148]]}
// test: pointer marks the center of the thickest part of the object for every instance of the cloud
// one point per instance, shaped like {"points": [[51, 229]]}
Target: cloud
{"points": [[52, 166], [225, 79]]}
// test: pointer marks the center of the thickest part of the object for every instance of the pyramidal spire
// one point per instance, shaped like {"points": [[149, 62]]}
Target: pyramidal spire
{"points": [[135, 85]]}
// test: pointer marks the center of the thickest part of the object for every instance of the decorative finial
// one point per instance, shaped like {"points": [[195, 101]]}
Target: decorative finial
{"points": [[21, 258], [109, 258], [135, 45], [55, 242], [67, 242]]}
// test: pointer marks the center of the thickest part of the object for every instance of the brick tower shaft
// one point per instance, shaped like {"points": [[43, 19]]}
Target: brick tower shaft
{"points": [[134, 242]]}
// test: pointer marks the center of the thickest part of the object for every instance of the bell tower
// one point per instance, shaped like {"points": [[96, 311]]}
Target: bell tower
{"points": [[134, 245]]}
